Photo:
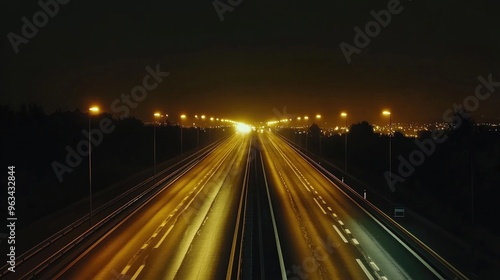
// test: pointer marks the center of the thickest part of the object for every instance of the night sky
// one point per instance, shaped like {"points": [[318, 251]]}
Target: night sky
{"points": [[263, 55]]}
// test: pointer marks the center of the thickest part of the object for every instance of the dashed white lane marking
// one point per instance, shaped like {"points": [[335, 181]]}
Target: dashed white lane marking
{"points": [[124, 271], [136, 274], [340, 233], [347, 231], [324, 202], [374, 266], [329, 208], [323, 210], [306, 187], [334, 215], [164, 236], [355, 241], [341, 223], [144, 246], [364, 269]]}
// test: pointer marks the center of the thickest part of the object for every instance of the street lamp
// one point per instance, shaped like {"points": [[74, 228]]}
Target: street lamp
{"points": [[92, 111], [183, 117], [388, 113], [318, 117], [156, 115], [306, 118], [344, 115], [204, 125]]}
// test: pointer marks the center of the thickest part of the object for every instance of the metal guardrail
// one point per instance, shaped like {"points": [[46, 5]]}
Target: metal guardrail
{"points": [[65, 231], [395, 227], [39, 268]]}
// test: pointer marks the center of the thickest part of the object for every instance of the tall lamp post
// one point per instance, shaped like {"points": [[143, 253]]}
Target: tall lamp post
{"points": [[388, 113], [94, 110], [183, 117], [306, 118], [203, 117], [318, 117], [344, 115], [156, 115], [298, 130]]}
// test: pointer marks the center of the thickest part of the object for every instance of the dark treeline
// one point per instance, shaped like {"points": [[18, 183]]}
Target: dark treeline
{"points": [[456, 185], [35, 142]]}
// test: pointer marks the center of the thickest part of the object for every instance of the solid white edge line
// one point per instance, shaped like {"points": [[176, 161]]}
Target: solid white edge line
{"points": [[322, 210], [278, 246], [340, 233], [364, 269], [136, 274]]}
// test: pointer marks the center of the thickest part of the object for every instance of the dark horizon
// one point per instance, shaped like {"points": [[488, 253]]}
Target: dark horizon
{"points": [[427, 58]]}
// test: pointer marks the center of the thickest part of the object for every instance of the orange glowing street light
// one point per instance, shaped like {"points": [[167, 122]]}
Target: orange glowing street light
{"points": [[156, 115], [344, 115], [388, 113], [183, 117], [92, 111]]}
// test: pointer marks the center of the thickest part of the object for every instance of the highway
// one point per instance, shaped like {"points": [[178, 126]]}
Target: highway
{"points": [[187, 231], [252, 209], [323, 233]]}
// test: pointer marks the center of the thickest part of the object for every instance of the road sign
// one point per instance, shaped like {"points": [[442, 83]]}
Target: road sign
{"points": [[399, 211]]}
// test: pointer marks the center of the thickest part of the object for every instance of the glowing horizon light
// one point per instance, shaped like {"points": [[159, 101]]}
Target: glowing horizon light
{"points": [[343, 114], [387, 113], [94, 109], [243, 128], [157, 114]]}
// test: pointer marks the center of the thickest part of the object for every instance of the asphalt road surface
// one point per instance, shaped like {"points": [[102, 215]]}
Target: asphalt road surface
{"points": [[185, 232], [323, 233], [297, 225]]}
